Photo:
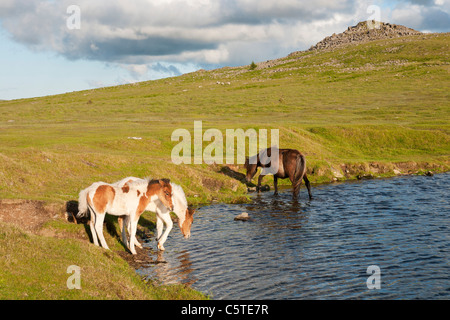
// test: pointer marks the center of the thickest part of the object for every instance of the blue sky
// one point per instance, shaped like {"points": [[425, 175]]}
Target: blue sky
{"points": [[120, 41]]}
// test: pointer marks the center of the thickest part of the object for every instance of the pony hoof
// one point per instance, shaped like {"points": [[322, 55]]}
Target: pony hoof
{"points": [[161, 247]]}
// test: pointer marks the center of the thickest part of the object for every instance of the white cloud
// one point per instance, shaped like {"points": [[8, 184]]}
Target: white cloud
{"points": [[409, 16], [142, 32]]}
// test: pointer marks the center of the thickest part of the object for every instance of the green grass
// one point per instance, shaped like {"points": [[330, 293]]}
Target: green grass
{"points": [[35, 267], [385, 100], [370, 105]]}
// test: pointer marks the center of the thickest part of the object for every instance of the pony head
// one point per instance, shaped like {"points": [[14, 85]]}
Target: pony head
{"points": [[185, 226], [251, 170], [165, 193]]}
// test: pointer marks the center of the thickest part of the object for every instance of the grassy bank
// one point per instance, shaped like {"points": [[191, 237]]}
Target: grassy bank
{"points": [[378, 108], [34, 263]]}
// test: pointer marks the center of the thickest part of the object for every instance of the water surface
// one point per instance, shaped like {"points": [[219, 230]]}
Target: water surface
{"points": [[320, 249]]}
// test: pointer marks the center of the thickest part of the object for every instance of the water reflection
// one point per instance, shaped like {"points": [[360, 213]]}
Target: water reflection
{"points": [[177, 269]]}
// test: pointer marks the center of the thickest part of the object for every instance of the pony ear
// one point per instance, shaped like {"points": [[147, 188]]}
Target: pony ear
{"points": [[164, 181]]}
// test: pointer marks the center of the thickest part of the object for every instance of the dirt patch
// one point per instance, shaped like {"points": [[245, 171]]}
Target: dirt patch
{"points": [[141, 259], [29, 215], [212, 184]]}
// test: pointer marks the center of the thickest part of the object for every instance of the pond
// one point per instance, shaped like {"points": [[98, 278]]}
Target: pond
{"points": [[320, 249]]}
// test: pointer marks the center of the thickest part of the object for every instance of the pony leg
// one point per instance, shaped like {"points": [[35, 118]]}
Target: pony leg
{"points": [[159, 226], [92, 226], [258, 188], [169, 224], [133, 226], [123, 220], [308, 185], [275, 185], [134, 239], [99, 230]]}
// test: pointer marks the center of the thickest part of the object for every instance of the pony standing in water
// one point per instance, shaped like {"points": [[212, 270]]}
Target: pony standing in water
{"points": [[129, 201], [291, 164], [180, 207]]}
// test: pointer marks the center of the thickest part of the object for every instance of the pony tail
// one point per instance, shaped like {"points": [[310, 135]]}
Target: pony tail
{"points": [[82, 203], [299, 172]]}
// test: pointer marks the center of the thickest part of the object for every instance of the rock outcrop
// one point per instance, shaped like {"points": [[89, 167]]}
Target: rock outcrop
{"points": [[363, 32]]}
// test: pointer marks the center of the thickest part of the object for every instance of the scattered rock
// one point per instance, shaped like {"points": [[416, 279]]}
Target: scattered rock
{"points": [[262, 189], [365, 176], [337, 174], [212, 184], [429, 173], [242, 217]]}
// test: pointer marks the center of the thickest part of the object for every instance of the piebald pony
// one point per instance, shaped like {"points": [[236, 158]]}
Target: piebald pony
{"points": [[129, 201], [180, 207]]}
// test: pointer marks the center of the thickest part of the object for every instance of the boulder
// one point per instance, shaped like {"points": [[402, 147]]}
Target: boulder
{"points": [[242, 217]]}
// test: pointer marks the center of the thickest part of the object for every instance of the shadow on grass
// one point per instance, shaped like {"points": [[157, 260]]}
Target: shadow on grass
{"points": [[236, 175], [110, 223]]}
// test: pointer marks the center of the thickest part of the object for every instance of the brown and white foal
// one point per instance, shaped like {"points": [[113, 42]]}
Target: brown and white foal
{"points": [[131, 200], [180, 207]]}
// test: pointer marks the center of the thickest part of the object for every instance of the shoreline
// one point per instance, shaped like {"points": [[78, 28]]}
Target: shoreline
{"points": [[53, 220]]}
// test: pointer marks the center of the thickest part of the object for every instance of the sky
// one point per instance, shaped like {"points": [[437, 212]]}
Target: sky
{"points": [[57, 46]]}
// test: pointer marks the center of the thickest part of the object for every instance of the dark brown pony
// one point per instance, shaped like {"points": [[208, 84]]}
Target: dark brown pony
{"points": [[291, 164]]}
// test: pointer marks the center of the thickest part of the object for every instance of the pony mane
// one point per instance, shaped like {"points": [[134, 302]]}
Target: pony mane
{"points": [[178, 192], [152, 181], [145, 181], [135, 183]]}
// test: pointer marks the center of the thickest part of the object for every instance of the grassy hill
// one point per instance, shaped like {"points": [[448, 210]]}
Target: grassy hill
{"points": [[379, 107], [382, 104]]}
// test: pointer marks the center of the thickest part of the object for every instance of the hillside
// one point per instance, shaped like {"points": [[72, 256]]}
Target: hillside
{"points": [[363, 109], [377, 107]]}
